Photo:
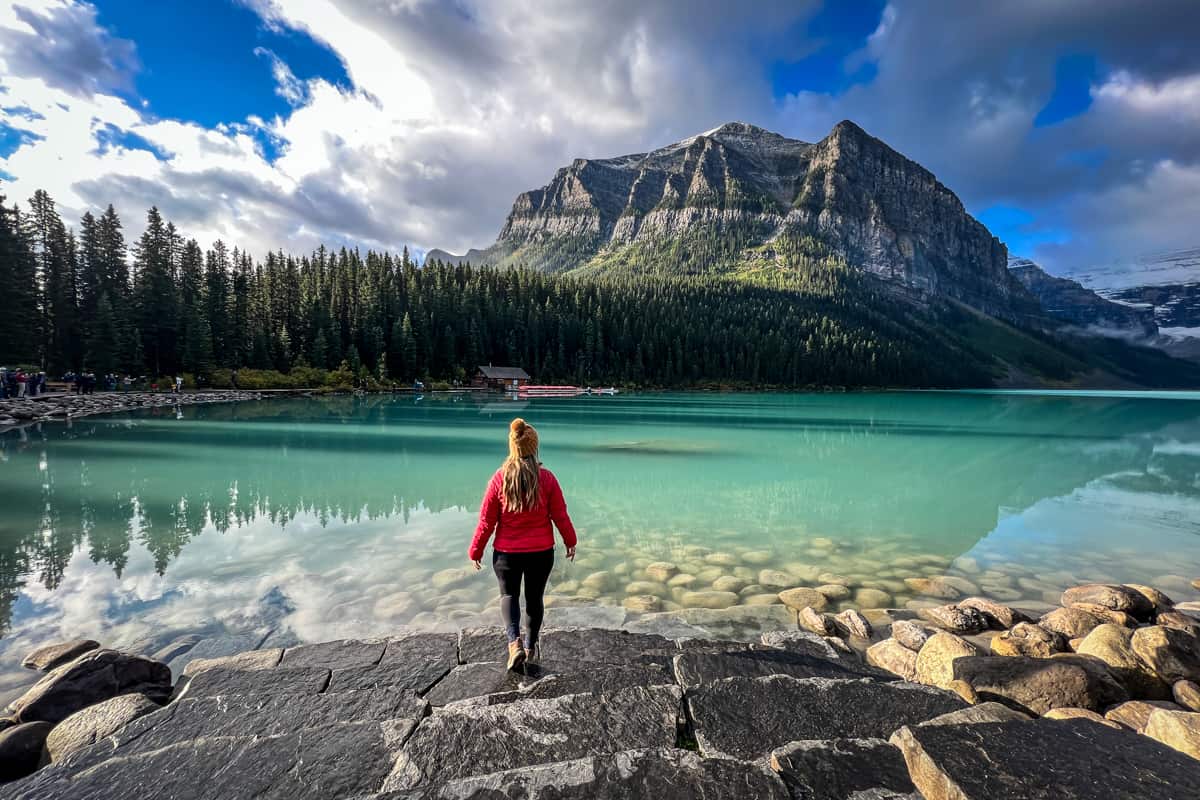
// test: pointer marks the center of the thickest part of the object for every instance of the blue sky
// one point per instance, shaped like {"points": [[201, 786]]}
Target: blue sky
{"points": [[1068, 129]]}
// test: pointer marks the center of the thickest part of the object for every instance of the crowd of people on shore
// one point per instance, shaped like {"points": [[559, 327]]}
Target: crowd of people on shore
{"points": [[21, 383]]}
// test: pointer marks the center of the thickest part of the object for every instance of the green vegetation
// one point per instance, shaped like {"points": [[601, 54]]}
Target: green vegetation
{"points": [[688, 314]]}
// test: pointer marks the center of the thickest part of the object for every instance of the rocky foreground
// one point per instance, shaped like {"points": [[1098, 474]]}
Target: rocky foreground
{"points": [[52, 407], [609, 713]]}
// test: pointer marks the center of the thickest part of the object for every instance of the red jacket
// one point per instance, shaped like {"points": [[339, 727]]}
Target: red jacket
{"points": [[522, 531]]}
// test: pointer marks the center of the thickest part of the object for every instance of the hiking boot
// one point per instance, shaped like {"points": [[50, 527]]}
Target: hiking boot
{"points": [[533, 654], [516, 655]]}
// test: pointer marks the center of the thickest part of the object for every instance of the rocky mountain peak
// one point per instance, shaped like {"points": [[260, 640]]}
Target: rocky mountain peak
{"points": [[849, 196]]}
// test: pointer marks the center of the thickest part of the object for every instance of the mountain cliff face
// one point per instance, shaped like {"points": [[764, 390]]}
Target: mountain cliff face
{"points": [[1082, 308], [739, 197]]}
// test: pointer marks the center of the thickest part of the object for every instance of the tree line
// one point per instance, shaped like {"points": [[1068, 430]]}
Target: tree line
{"points": [[87, 299]]}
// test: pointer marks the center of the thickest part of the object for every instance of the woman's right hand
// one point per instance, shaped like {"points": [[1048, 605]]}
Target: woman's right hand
{"points": [[570, 553]]}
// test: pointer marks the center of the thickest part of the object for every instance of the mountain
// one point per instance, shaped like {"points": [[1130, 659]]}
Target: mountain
{"points": [[740, 198], [1082, 308], [472, 256], [1167, 284]]}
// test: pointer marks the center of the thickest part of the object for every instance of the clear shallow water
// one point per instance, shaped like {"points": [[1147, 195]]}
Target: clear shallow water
{"points": [[289, 520]]}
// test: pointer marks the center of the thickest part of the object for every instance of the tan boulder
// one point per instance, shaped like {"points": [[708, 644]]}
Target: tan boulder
{"points": [[761, 599], [1071, 623], [799, 598], [249, 660], [956, 619], [1136, 713], [812, 620], [1157, 599], [730, 583], [894, 657], [1112, 645], [1036, 685], [977, 714], [1112, 596], [682, 580], [647, 587], [1174, 655], [911, 634], [935, 661], [1187, 694], [1080, 713], [1179, 621], [1107, 615], [1028, 639], [854, 624], [999, 616], [1178, 729], [95, 722], [722, 559]]}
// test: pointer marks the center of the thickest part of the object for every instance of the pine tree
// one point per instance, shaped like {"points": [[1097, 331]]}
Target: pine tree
{"points": [[103, 349], [19, 318], [157, 304]]}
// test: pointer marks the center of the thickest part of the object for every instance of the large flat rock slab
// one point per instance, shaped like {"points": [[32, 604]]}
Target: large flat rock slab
{"points": [[341, 654], [492, 682], [652, 774], [417, 661], [844, 769], [280, 680], [607, 646], [333, 761], [462, 740], [698, 666], [1044, 760], [747, 718]]}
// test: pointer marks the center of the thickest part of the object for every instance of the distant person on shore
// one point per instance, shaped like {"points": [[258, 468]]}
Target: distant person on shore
{"points": [[521, 501], [178, 385], [233, 378], [22, 379]]}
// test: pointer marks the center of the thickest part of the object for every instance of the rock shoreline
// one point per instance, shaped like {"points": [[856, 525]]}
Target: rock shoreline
{"points": [[610, 713], [17, 412]]}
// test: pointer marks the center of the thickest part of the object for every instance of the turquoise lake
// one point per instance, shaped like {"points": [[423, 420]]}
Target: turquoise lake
{"points": [[291, 520]]}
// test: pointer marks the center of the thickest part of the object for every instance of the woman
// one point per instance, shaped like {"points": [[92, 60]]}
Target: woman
{"points": [[520, 502]]}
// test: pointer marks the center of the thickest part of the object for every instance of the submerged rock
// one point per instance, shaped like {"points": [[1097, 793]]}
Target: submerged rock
{"points": [[872, 598], [708, 599], [934, 587], [47, 657]]}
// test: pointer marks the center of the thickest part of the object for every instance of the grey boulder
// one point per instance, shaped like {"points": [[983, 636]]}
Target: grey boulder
{"points": [[91, 678], [93, 723], [22, 748], [47, 657], [840, 769]]}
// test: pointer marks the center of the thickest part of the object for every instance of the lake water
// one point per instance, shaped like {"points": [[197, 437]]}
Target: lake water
{"points": [[302, 520]]}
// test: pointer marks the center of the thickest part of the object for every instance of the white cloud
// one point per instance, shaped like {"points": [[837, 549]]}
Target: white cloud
{"points": [[455, 107]]}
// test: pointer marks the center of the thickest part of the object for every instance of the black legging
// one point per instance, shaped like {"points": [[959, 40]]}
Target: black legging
{"points": [[510, 568]]}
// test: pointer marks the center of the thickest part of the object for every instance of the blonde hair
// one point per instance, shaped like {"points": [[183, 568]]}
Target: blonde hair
{"points": [[520, 469]]}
